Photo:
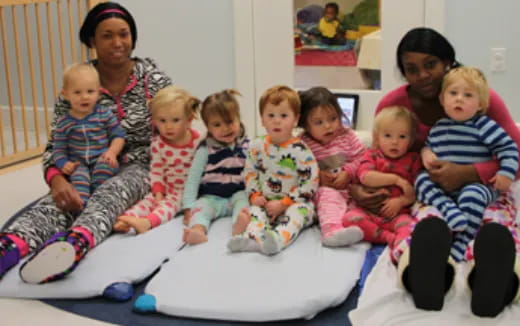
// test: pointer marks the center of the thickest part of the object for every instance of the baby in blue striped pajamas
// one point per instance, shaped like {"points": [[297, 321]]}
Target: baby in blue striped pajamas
{"points": [[88, 139], [466, 136], [215, 185]]}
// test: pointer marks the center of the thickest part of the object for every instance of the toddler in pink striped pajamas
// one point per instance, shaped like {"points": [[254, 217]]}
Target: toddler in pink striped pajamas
{"points": [[338, 152], [172, 151]]}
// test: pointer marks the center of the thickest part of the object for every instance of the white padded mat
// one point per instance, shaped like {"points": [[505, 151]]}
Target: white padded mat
{"points": [[384, 303], [120, 258], [206, 281]]}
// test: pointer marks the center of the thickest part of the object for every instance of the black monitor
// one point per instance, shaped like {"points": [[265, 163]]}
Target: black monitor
{"points": [[349, 105]]}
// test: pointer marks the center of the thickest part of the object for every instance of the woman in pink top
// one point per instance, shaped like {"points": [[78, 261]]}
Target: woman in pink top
{"points": [[424, 263]]}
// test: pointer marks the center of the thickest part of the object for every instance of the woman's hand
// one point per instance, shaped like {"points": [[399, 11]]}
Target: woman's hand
{"points": [[451, 176], [65, 195], [371, 199]]}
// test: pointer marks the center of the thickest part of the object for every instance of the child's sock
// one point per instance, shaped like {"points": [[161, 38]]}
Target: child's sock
{"points": [[272, 243], [343, 237], [240, 243], [9, 254], [57, 258]]}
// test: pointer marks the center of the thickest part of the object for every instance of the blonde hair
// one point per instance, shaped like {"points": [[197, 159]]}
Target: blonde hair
{"points": [[392, 113], [277, 94], [171, 94], [475, 79], [75, 68], [223, 104]]}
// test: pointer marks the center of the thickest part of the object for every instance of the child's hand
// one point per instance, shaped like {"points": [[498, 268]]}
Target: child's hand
{"points": [[110, 158], [259, 201], [391, 207], [326, 178], [274, 209], [187, 216], [158, 196], [405, 186], [341, 181], [501, 183], [428, 157], [69, 167]]}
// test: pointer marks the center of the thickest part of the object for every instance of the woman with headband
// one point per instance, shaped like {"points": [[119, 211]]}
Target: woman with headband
{"points": [[58, 228]]}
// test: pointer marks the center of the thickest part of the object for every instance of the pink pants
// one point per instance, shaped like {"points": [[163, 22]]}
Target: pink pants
{"points": [[156, 212], [377, 229], [331, 205]]}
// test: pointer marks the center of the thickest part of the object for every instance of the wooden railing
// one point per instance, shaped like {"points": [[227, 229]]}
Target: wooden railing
{"points": [[34, 53]]}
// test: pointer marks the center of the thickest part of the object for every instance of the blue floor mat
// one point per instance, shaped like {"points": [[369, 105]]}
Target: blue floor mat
{"points": [[122, 314]]}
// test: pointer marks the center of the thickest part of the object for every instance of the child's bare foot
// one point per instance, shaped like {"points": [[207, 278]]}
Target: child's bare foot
{"points": [[139, 224], [195, 235], [242, 221]]}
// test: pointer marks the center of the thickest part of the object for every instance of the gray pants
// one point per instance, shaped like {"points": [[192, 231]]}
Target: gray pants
{"points": [[112, 198]]}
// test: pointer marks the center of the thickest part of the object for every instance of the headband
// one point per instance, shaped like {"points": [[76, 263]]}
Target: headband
{"points": [[108, 11]]}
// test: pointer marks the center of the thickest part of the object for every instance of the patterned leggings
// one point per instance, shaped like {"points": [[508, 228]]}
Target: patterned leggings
{"points": [[462, 210], [296, 217], [502, 211], [378, 229], [44, 219], [86, 179]]}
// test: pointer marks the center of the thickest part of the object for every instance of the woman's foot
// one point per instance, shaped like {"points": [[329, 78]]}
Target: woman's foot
{"points": [[429, 276], [57, 258], [195, 235], [492, 278], [9, 254], [139, 224], [242, 221]]}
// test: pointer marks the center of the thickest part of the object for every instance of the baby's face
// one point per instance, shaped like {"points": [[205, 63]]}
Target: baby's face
{"points": [[279, 121], [394, 138], [82, 91], [461, 102], [224, 131], [323, 124], [172, 122]]}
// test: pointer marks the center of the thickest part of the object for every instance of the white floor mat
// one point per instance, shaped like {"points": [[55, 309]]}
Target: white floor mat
{"points": [[120, 258], [384, 303], [206, 281]]}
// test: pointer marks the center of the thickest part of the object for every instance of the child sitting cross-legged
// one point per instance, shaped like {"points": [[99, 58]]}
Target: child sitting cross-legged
{"points": [[215, 176], [281, 177]]}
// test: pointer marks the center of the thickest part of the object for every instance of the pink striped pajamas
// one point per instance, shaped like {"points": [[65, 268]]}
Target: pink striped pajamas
{"points": [[168, 172], [343, 153]]}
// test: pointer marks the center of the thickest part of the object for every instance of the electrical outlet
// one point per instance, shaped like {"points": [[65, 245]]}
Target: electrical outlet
{"points": [[498, 59]]}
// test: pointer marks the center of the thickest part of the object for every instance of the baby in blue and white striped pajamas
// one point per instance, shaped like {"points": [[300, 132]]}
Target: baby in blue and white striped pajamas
{"points": [[466, 136]]}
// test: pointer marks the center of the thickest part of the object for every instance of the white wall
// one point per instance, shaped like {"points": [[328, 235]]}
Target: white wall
{"points": [[485, 25], [191, 40]]}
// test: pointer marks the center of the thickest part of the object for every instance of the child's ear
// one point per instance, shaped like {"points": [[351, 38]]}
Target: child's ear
{"points": [[296, 121], [441, 100], [374, 140]]}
